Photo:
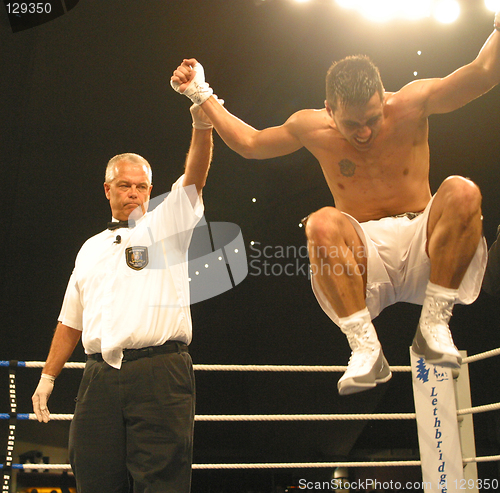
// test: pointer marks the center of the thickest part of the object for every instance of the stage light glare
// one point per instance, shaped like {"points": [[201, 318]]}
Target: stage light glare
{"points": [[383, 10], [493, 5], [415, 9], [379, 11], [446, 11], [347, 4]]}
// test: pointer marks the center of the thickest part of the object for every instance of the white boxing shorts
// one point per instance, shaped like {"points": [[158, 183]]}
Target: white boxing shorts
{"points": [[398, 267]]}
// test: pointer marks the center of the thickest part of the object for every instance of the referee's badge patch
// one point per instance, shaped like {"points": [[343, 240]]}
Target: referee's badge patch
{"points": [[137, 257]]}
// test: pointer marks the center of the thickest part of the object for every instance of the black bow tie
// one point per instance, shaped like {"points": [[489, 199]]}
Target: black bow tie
{"points": [[121, 224]]}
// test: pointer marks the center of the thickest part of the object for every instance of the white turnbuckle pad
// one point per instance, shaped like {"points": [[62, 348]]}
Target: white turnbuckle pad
{"points": [[437, 426]]}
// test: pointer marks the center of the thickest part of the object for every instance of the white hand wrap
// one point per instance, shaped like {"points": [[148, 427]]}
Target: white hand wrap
{"points": [[200, 119], [198, 91]]}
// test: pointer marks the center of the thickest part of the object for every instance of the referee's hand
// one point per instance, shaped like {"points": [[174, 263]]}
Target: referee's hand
{"points": [[41, 396]]}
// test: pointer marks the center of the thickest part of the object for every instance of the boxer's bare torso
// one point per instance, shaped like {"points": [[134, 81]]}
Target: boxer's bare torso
{"points": [[386, 175]]}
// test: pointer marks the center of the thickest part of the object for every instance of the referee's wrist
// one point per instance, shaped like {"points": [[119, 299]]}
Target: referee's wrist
{"points": [[46, 376], [496, 22]]}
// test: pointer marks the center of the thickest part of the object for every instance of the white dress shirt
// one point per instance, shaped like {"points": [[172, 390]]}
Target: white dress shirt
{"points": [[133, 291]]}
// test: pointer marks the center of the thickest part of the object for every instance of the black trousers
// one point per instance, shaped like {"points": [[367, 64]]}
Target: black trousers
{"points": [[137, 420]]}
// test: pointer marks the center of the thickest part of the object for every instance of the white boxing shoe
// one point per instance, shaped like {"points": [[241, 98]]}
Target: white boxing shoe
{"points": [[367, 365], [365, 370], [433, 338]]}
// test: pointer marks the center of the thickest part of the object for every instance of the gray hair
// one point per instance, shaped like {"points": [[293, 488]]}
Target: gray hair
{"points": [[131, 158]]}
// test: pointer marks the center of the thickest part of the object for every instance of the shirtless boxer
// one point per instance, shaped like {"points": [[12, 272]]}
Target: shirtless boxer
{"points": [[387, 239]]}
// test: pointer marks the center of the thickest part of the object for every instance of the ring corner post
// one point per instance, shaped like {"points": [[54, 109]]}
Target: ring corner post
{"points": [[465, 422], [437, 426]]}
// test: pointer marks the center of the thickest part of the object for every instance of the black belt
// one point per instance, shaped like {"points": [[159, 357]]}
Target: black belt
{"points": [[133, 354]]}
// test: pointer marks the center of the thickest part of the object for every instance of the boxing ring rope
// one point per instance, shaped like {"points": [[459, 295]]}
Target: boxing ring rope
{"points": [[13, 416], [285, 417], [277, 368], [274, 368]]}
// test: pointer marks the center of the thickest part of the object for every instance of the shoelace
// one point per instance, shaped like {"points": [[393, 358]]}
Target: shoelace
{"points": [[359, 338], [437, 321], [358, 357], [361, 346]]}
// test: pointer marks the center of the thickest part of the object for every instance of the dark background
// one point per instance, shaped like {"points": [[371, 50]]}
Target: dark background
{"points": [[94, 82]]}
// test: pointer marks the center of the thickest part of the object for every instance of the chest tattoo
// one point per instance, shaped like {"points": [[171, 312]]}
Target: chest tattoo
{"points": [[347, 167]]}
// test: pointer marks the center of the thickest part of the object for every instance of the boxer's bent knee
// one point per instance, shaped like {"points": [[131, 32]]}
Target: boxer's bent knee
{"points": [[461, 192], [461, 198], [329, 226]]}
